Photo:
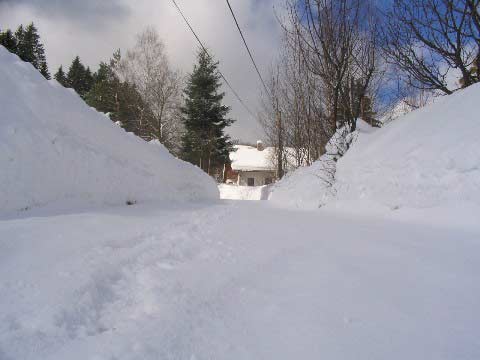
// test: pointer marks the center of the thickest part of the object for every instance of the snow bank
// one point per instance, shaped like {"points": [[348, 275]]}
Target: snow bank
{"points": [[311, 187], [56, 149], [234, 192], [306, 187], [427, 158]]}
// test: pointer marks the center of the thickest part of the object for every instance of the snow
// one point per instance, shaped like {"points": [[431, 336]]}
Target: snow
{"points": [[235, 280], [384, 271], [247, 157], [306, 187], [399, 109], [312, 187], [56, 150], [425, 159], [236, 192]]}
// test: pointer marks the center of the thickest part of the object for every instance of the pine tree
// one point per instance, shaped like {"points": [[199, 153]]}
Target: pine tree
{"points": [[21, 47], [76, 77], [61, 77], [30, 49], [89, 80], [44, 71], [120, 100], [103, 94], [205, 143], [8, 40]]}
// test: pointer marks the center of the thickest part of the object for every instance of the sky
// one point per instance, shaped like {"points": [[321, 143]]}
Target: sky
{"points": [[94, 29]]}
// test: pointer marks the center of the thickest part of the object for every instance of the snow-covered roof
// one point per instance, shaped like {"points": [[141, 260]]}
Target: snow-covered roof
{"points": [[248, 158]]}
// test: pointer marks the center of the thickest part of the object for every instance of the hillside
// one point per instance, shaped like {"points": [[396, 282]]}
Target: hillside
{"points": [[57, 151]]}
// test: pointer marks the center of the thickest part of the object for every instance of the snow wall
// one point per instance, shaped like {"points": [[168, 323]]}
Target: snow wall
{"points": [[56, 149], [427, 158]]}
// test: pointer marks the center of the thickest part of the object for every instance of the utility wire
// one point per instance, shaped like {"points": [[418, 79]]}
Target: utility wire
{"points": [[206, 51], [246, 46]]}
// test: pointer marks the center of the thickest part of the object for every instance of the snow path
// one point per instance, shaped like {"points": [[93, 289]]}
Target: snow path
{"points": [[236, 192], [235, 280]]}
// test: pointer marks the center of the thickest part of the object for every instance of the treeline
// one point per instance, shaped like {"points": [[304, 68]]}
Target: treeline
{"points": [[139, 90], [339, 56], [142, 92], [25, 42]]}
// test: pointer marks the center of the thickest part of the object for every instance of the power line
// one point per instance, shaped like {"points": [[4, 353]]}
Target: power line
{"points": [[206, 51], [246, 46]]}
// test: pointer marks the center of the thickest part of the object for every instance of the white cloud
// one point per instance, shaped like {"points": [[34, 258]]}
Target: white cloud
{"points": [[94, 31]]}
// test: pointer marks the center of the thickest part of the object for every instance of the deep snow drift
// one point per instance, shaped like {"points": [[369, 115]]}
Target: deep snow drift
{"points": [[427, 158], [312, 186], [55, 149]]}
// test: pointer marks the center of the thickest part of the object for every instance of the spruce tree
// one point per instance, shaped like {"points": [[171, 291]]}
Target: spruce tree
{"points": [[8, 40], [205, 143], [29, 45], [30, 49], [76, 77], [21, 47], [89, 80], [44, 70], [103, 95], [61, 77], [120, 100]]}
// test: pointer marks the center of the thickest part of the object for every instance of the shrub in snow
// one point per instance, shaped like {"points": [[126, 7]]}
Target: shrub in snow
{"points": [[56, 149]]}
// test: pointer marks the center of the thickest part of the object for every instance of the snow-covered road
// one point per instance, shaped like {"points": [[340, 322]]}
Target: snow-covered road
{"points": [[236, 280]]}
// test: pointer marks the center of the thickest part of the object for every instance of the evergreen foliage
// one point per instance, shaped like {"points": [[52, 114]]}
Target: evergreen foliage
{"points": [[89, 80], [205, 143], [8, 40], [26, 44], [44, 71], [61, 77], [79, 78], [120, 100]]}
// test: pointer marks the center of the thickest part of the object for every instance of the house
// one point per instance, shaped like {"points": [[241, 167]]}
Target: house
{"points": [[252, 166]]}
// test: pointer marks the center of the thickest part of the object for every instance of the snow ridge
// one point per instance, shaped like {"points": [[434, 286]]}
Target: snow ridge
{"points": [[54, 149], [427, 158]]}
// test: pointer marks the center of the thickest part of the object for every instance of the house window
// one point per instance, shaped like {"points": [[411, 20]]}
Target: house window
{"points": [[268, 180], [251, 182]]}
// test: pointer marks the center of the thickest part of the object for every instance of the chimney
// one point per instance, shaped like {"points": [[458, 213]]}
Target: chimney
{"points": [[260, 145]]}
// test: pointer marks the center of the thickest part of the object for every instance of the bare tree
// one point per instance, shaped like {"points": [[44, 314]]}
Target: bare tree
{"points": [[338, 40], [293, 111], [147, 67], [429, 39], [327, 75]]}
